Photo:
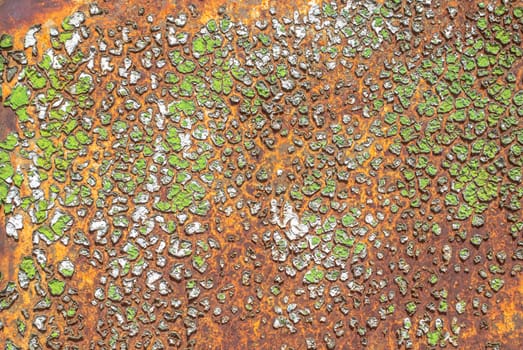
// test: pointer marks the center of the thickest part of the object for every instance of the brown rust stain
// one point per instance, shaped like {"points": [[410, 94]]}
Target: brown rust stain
{"points": [[8, 120]]}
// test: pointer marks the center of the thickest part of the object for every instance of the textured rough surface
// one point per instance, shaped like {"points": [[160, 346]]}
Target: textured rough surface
{"points": [[211, 175]]}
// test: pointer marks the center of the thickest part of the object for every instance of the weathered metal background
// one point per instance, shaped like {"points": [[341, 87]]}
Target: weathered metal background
{"points": [[254, 301]]}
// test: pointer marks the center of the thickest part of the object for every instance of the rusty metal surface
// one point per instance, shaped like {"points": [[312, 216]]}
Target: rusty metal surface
{"points": [[347, 161]]}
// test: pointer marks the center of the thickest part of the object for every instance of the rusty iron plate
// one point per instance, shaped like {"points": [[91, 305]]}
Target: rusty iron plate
{"points": [[261, 174]]}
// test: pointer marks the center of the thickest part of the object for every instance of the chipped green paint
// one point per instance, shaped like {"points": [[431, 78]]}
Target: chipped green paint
{"points": [[56, 287]]}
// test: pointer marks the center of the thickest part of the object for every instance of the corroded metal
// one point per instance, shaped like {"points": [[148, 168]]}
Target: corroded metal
{"points": [[261, 175]]}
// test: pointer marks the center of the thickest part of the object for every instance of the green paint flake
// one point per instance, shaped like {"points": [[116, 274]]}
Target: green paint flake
{"points": [[130, 313], [518, 98], [10, 142], [433, 338], [186, 106], [411, 308], [27, 265], [359, 248], [83, 138], [262, 89], [186, 67], [199, 46], [19, 97], [6, 41], [6, 169], [113, 293], [84, 85], [36, 79], [341, 252], [496, 284], [56, 287], [313, 276], [62, 224], [71, 143]]}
